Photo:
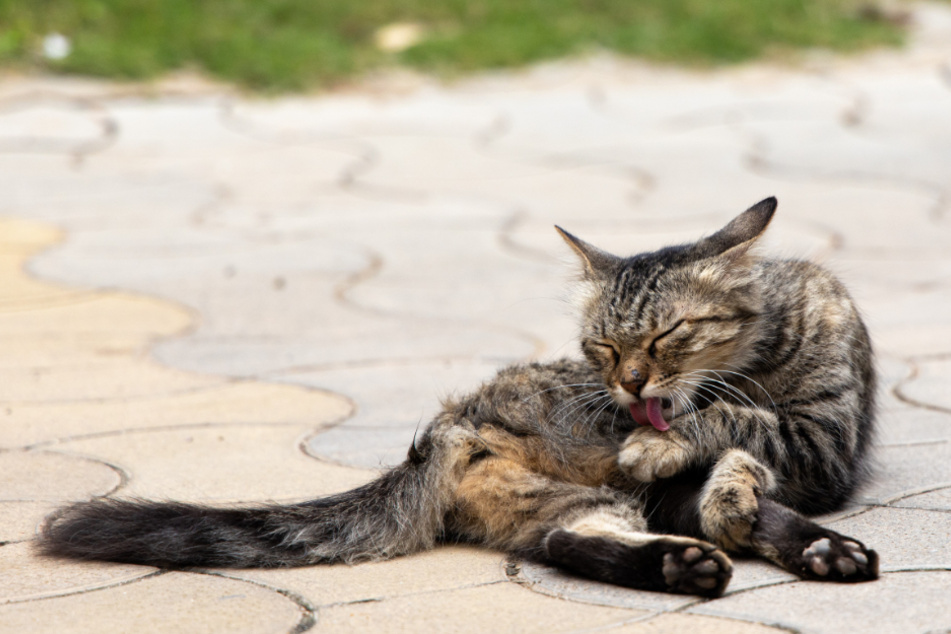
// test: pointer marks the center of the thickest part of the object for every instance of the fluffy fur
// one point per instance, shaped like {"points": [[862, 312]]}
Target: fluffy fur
{"points": [[761, 369]]}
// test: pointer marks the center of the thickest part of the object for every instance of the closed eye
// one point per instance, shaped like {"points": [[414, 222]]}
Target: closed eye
{"points": [[652, 350], [611, 348]]}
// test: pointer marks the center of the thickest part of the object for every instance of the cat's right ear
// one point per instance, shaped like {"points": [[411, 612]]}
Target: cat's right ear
{"points": [[597, 263], [738, 236]]}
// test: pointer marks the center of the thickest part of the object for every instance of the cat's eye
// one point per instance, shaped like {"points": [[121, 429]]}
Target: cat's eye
{"points": [[652, 349], [611, 349]]}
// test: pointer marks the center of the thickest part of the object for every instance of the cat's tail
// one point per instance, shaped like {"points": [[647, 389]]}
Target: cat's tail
{"points": [[401, 512]]}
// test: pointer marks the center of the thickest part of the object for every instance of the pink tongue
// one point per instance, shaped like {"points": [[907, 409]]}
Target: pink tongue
{"points": [[650, 413], [655, 414]]}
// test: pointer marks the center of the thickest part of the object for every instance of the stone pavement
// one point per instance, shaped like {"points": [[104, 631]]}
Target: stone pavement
{"points": [[210, 297]]}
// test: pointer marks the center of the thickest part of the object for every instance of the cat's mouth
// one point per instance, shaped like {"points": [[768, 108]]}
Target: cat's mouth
{"points": [[651, 412]]}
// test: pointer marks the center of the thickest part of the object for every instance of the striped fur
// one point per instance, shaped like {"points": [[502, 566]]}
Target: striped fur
{"points": [[763, 370]]}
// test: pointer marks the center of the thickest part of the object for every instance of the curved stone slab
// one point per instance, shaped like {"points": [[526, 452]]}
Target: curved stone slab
{"points": [[172, 602], [877, 607]]}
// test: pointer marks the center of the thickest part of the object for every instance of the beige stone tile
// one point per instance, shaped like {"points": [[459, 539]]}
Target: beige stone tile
{"points": [[47, 475], [98, 378], [693, 623], [19, 519], [173, 603], [445, 568], [497, 607], [97, 313], [25, 236], [220, 463], [48, 123], [214, 403], [27, 576]]}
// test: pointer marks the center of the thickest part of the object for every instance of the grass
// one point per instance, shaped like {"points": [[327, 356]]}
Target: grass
{"points": [[287, 45]]}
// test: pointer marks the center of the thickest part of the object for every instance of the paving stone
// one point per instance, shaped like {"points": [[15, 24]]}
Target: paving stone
{"points": [[365, 447], [690, 623], [400, 393], [899, 422], [465, 610], [218, 403], [553, 582], [939, 500], [879, 606], [299, 120], [48, 475], [29, 577], [928, 385], [98, 378], [173, 602], [904, 538], [445, 568], [907, 469], [51, 124], [235, 463], [19, 519], [86, 313]]}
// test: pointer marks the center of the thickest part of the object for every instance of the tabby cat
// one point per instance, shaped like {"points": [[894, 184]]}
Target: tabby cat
{"points": [[722, 398]]}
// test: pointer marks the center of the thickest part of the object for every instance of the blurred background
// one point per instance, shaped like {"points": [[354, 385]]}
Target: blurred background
{"points": [[279, 45]]}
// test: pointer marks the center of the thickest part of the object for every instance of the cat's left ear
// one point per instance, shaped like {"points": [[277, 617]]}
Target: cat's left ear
{"points": [[597, 263], [735, 239]]}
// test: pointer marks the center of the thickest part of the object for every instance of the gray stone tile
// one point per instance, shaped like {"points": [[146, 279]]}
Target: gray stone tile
{"points": [[939, 500], [903, 538], [929, 385], [881, 606], [907, 469]]}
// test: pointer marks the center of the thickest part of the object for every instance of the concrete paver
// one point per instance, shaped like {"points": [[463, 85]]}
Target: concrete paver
{"points": [[215, 298], [172, 602]]}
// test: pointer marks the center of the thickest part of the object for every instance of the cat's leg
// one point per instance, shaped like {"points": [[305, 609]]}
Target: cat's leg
{"points": [[728, 501], [736, 514], [595, 532], [807, 549]]}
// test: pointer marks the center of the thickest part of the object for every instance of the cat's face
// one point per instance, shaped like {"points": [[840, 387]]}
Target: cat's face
{"points": [[663, 327]]}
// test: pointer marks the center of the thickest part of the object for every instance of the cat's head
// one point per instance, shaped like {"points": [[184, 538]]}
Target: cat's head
{"points": [[657, 325]]}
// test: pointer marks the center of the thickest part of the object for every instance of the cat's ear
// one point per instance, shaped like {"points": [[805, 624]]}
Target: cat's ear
{"points": [[738, 236], [597, 263]]}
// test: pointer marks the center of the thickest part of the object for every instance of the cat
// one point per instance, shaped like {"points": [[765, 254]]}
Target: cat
{"points": [[722, 397]]}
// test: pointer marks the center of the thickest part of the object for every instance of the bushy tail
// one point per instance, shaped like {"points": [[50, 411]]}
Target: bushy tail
{"points": [[399, 513]]}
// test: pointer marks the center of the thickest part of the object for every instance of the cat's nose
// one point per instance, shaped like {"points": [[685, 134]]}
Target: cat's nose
{"points": [[634, 383]]}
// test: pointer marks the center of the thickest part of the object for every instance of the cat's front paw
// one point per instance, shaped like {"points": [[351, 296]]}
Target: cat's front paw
{"points": [[648, 454]]}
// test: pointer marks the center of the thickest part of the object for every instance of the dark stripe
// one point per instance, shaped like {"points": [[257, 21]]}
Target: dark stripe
{"points": [[807, 438], [649, 286], [834, 393], [794, 347]]}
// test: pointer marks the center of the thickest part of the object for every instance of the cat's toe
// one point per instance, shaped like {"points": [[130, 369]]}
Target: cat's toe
{"points": [[836, 558], [700, 569]]}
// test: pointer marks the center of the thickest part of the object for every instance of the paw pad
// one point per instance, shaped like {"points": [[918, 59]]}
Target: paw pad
{"points": [[694, 570], [838, 559]]}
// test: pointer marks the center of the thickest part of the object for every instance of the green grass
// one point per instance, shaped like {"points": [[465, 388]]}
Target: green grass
{"points": [[279, 45]]}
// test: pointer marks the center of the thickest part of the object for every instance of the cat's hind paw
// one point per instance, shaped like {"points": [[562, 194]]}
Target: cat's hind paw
{"points": [[835, 557], [700, 569]]}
